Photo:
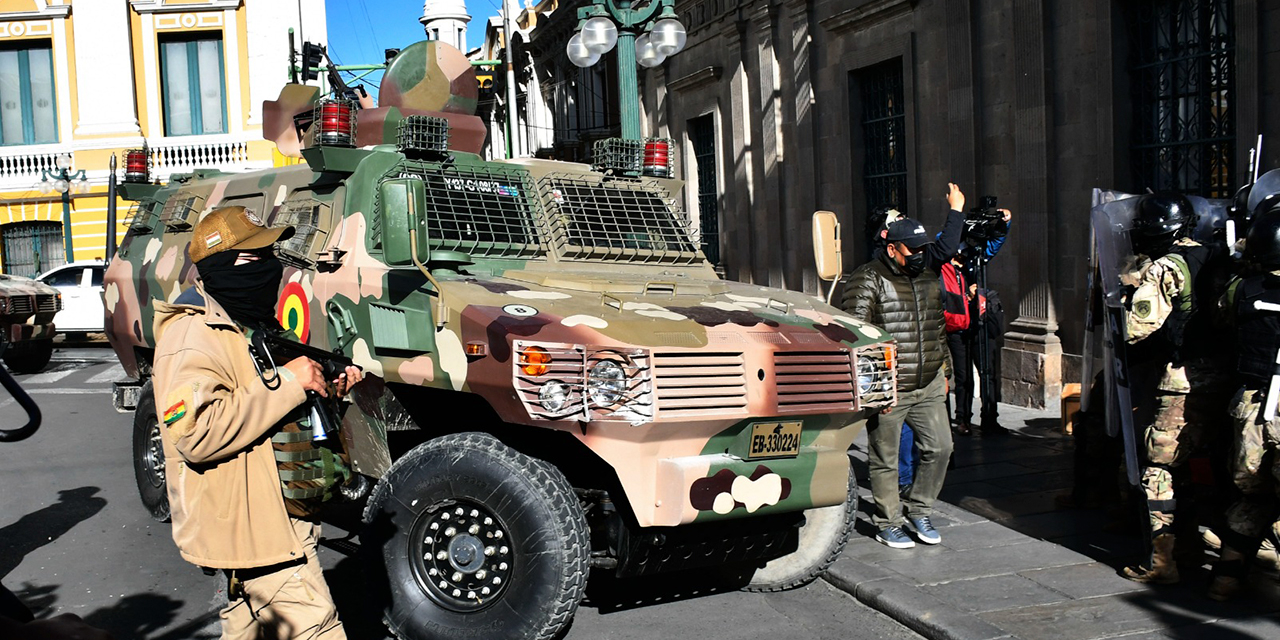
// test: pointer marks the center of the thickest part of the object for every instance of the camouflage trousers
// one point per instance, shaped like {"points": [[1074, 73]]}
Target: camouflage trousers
{"points": [[1179, 426], [1255, 468]]}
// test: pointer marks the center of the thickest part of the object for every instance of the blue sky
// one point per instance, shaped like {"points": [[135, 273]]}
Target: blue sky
{"points": [[360, 31]]}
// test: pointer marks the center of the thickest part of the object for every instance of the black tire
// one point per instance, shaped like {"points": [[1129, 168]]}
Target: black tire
{"points": [[148, 456], [476, 493], [31, 356], [822, 539]]}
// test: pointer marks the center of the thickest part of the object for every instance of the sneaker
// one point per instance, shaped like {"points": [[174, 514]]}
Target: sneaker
{"points": [[924, 530], [894, 537]]}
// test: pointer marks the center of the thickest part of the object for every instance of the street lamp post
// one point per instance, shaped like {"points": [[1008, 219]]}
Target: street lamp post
{"points": [[644, 36], [65, 181]]}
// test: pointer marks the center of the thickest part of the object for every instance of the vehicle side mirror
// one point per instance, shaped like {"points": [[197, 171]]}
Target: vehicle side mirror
{"points": [[403, 203], [826, 248]]}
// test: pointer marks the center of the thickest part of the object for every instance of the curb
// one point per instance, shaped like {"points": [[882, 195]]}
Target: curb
{"points": [[907, 604]]}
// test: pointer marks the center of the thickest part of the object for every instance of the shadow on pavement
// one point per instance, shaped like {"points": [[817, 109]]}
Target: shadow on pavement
{"points": [[42, 527], [609, 594], [143, 614]]}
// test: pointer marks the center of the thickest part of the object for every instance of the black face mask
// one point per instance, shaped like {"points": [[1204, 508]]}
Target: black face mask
{"points": [[248, 291], [914, 264]]}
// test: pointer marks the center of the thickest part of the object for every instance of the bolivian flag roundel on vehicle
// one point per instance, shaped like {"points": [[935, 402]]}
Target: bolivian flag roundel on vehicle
{"points": [[293, 312]]}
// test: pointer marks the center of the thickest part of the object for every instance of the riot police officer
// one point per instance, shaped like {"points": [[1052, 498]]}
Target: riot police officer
{"points": [[1252, 306], [1177, 379]]}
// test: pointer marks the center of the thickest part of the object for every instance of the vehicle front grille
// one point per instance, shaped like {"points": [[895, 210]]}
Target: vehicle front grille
{"points": [[47, 303], [19, 305], [813, 381], [700, 384]]}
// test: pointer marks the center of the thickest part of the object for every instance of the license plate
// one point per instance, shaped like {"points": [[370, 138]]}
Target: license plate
{"points": [[774, 439]]}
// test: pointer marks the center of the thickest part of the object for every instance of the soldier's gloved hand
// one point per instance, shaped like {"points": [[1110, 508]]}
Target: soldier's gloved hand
{"points": [[309, 374], [349, 378]]}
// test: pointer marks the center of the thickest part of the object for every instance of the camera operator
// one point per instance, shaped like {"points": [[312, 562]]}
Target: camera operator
{"points": [[898, 290], [973, 328]]}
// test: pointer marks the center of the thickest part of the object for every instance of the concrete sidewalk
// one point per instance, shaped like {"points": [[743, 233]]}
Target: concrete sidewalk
{"points": [[1012, 566]]}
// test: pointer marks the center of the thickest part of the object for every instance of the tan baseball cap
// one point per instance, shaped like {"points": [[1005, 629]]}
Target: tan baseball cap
{"points": [[233, 228]]}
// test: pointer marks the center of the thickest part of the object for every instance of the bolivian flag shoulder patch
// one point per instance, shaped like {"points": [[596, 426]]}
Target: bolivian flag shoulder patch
{"points": [[175, 412]]}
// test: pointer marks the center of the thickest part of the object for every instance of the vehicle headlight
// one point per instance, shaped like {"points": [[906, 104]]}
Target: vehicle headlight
{"points": [[866, 383], [607, 383], [554, 396]]}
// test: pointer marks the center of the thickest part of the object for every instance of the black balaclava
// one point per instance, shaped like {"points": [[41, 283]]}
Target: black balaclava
{"points": [[248, 291]]}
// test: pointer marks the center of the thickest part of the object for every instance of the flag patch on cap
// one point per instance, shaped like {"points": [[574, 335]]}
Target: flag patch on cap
{"points": [[212, 240]]}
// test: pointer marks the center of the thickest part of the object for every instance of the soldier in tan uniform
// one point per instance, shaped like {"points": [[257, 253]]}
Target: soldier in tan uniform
{"points": [[219, 416], [1176, 380]]}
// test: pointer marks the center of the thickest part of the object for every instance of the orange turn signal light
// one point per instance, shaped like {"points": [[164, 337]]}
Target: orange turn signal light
{"points": [[890, 353], [477, 349], [534, 361]]}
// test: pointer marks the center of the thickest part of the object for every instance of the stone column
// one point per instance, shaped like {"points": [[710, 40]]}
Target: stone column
{"points": [[961, 123], [739, 155], [1032, 357], [801, 177], [768, 237], [104, 76]]}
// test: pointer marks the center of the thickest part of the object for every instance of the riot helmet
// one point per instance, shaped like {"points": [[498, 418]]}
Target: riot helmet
{"points": [[1262, 245], [1161, 219]]}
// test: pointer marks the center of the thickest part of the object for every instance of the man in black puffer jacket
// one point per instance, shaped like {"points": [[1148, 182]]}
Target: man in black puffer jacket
{"points": [[898, 290]]}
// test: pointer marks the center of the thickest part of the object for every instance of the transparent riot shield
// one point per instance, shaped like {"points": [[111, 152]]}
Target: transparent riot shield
{"points": [[1110, 222]]}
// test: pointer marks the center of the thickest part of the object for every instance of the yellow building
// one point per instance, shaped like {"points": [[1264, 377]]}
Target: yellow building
{"points": [[81, 80]]}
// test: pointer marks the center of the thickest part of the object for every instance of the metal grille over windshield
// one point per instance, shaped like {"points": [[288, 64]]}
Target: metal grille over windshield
{"points": [[595, 217], [480, 212]]}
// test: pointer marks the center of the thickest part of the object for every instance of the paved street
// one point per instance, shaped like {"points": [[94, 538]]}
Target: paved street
{"points": [[74, 538]]}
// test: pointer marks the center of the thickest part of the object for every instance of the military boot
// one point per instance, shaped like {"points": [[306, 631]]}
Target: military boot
{"points": [[1162, 570], [1228, 575]]}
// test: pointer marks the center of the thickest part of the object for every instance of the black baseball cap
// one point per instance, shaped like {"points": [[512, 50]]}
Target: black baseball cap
{"points": [[908, 232]]}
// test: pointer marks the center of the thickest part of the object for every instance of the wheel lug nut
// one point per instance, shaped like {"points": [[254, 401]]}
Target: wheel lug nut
{"points": [[435, 526], [481, 574], [488, 521], [503, 550], [444, 516], [484, 591], [498, 534], [488, 551], [443, 584], [457, 592], [443, 555], [433, 572], [448, 533], [457, 576], [475, 513], [473, 529], [430, 540], [502, 566], [471, 595], [460, 511], [497, 580]]}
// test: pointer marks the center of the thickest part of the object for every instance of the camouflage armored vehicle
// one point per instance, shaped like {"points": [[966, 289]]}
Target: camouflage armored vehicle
{"points": [[557, 381], [27, 308]]}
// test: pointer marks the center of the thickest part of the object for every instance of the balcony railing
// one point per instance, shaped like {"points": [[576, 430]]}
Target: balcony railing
{"points": [[21, 166]]}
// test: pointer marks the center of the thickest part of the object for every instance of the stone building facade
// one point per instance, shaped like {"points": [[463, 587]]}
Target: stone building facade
{"points": [[783, 107]]}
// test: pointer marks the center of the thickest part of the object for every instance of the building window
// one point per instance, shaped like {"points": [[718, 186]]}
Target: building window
{"points": [[31, 248], [1183, 83], [193, 77], [28, 111], [884, 173], [702, 136]]}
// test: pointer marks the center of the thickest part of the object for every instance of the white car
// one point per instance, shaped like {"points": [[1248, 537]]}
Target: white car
{"points": [[80, 284]]}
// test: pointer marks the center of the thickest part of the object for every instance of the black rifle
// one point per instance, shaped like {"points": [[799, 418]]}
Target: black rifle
{"points": [[275, 348]]}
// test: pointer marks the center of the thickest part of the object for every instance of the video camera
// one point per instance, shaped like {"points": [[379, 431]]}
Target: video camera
{"points": [[984, 222]]}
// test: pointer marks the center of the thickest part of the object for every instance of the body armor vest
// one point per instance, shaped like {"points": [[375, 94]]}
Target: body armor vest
{"points": [[1257, 331], [311, 471]]}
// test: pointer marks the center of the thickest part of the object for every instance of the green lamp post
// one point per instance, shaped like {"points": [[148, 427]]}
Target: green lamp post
{"points": [[65, 181], [644, 36]]}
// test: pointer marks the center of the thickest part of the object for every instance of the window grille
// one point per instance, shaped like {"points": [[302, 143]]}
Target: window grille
{"points": [[884, 135], [309, 218], [181, 211], [1183, 83], [31, 248], [702, 134], [480, 211], [598, 217]]}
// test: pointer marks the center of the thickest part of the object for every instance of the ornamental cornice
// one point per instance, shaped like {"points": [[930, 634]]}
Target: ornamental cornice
{"points": [[158, 6]]}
